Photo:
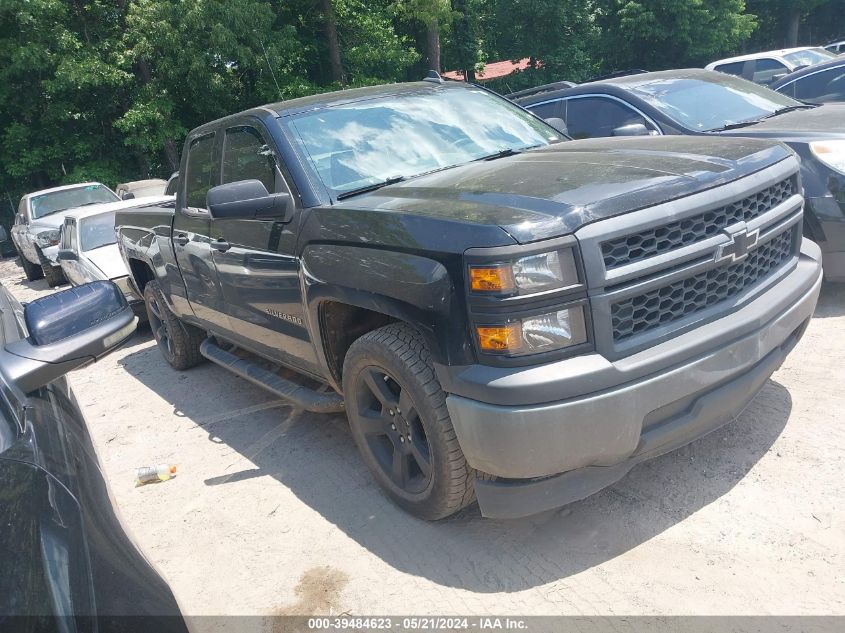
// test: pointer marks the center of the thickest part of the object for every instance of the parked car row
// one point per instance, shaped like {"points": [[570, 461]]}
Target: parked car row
{"points": [[707, 105], [66, 234]]}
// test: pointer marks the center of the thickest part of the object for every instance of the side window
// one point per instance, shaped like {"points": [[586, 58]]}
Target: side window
{"points": [[592, 117], [200, 173], [547, 110], [767, 70], [246, 157], [828, 85], [733, 68]]}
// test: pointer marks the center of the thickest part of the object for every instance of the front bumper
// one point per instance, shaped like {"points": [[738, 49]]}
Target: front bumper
{"points": [[550, 454]]}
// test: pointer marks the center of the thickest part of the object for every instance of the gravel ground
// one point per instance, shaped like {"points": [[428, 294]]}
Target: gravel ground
{"points": [[272, 511]]}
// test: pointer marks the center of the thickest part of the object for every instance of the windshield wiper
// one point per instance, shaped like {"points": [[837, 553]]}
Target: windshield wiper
{"points": [[733, 126], [368, 188], [791, 108], [504, 153], [784, 110]]}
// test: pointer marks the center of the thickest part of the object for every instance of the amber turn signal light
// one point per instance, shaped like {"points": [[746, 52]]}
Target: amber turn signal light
{"points": [[500, 338], [491, 279]]}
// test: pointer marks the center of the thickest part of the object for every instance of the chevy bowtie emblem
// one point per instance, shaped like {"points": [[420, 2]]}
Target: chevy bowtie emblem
{"points": [[742, 241]]}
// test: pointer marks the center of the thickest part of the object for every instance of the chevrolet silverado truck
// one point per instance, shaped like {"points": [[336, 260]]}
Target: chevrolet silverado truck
{"points": [[503, 314]]}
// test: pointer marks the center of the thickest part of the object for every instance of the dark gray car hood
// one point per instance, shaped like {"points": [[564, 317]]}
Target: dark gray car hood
{"points": [[823, 122], [555, 190]]}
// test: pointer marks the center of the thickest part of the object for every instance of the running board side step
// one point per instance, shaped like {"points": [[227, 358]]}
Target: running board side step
{"points": [[300, 396]]}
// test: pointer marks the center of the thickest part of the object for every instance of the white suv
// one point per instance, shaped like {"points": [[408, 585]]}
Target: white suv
{"points": [[769, 66]]}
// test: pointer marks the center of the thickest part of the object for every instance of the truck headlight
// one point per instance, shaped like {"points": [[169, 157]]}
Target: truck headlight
{"points": [[526, 275], [47, 238], [831, 153], [535, 334]]}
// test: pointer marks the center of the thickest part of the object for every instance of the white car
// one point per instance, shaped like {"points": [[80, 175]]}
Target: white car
{"points": [[769, 66], [39, 218], [88, 250], [837, 48], [41, 215]]}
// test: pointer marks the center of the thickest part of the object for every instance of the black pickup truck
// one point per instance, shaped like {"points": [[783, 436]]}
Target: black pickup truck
{"points": [[502, 313]]}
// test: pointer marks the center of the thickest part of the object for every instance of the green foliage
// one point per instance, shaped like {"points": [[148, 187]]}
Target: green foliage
{"points": [[657, 34], [107, 89]]}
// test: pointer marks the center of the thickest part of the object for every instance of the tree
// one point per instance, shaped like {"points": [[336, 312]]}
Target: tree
{"points": [[436, 16], [656, 34]]}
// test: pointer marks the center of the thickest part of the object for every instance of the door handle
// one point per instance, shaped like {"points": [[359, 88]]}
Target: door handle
{"points": [[181, 239], [221, 245]]}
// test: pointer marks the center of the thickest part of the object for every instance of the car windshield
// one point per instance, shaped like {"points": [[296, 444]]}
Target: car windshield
{"points": [[96, 231], [808, 57], [711, 103], [371, 141], [48, 203]]}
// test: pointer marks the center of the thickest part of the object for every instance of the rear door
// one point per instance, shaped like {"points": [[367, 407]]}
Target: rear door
{"points": [[192, 232], [258, 267]]}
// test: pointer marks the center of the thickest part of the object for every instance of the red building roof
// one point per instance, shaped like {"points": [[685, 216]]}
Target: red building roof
{"points": [[493, 70]]}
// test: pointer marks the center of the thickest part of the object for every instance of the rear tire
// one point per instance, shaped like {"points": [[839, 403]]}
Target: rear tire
{"points": [[178, 342], [33, 272], [397, 413]]}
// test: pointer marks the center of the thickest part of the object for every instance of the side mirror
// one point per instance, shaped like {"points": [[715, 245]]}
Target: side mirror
{"points": [[67, 330], [248, 199], [67, 255], [127, 195], [634, 129], [558, 124]]}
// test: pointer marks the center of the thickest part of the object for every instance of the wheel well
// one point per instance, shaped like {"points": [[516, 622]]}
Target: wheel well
{"points": [[341, 325], [141, 273]]}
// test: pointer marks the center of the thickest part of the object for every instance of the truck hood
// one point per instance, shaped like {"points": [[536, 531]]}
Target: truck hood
{"points": [[107, 259], [555, 190], [822, 122]]}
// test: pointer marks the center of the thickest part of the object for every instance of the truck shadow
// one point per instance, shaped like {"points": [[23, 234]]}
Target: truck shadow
{"points": [[831, 301], [315, 458]]}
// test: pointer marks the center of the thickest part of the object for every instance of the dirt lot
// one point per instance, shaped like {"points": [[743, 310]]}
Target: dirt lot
{"points": [[273, 512]]}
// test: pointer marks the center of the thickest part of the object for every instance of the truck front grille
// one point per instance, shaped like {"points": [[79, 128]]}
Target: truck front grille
{"points": [[659, 272], [656, 241], [665, 304]]}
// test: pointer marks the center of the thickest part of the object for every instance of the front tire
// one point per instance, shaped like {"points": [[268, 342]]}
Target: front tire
{"points": [[54, 275], [33, 272], [398, 417], [178, 342]]}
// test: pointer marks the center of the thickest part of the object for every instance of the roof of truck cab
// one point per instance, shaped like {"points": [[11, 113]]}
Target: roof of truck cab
{"points": [[339, 97]]}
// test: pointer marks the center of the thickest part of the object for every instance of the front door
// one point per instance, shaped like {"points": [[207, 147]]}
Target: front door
{"points": [[192, 233], [258, 267]]}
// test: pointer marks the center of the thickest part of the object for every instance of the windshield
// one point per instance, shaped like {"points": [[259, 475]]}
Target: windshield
{"points": [[367, 142], [708, 104], [48, 203], [96, 231], [809, 57]]}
